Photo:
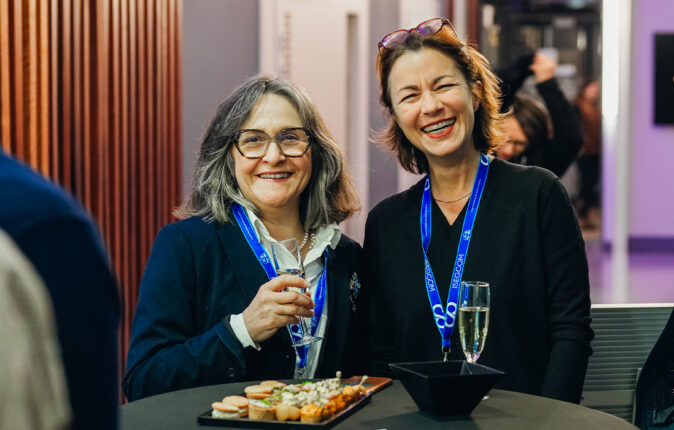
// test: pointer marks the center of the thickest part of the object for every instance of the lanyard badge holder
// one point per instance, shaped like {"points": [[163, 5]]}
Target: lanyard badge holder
{"points": [[445, 317], [264, 260]]}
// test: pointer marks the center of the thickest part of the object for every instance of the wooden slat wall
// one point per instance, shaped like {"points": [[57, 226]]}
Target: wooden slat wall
{"points": [[90, 97]]}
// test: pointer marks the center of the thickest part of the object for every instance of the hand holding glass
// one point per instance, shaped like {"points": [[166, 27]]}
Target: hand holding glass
{"points": [[285, 265], [473, 318]]}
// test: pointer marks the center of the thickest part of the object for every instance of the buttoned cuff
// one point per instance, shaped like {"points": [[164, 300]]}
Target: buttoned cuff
{"points": [[241, 332]]}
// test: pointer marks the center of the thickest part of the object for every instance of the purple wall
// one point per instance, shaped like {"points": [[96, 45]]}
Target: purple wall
{"points": [[651, 195]]}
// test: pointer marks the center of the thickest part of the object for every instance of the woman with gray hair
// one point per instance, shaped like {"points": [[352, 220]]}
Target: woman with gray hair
{"points": [[211, 309]]}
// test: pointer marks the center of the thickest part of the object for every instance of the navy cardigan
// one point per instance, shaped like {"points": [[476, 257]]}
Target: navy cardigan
{"points": [[197, 275]]}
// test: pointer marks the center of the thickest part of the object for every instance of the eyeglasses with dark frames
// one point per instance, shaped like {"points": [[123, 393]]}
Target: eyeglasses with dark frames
{"points": [[292, 142], [426, 28]]}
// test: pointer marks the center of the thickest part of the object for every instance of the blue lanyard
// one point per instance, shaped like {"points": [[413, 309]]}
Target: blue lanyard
{"points": [[444, 320], [265, 262]]}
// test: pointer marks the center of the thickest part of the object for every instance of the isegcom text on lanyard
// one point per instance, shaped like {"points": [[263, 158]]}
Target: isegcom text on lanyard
{"points": [[445, 318]]}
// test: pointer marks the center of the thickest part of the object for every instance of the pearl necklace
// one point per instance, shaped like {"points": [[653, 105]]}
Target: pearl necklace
{"points": [[305, 239], [455, 200]]}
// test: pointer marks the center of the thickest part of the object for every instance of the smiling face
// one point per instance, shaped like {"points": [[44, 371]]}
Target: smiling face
{"points": [[273, 181], [433, 104]]}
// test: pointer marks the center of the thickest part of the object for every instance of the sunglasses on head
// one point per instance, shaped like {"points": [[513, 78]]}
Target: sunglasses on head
{"points": [[399, 37]]}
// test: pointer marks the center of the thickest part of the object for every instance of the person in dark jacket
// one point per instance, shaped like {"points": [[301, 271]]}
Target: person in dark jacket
{"points": [[473, 217], [655, 388], [211, 309], [62, 243], [545, 136], [589, 159]]}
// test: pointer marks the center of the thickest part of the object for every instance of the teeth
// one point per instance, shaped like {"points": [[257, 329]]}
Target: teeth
{"points": [[274, 175], [439, 126]]}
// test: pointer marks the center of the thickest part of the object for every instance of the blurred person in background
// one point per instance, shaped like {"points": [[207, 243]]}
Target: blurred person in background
{"points": [[654, 403], [211, 309], [443, 102], [548, 138], [62, 243], [587, 104]]}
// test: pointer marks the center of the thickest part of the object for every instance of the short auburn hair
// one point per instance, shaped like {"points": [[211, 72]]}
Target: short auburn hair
{"points": [[487, 132]]}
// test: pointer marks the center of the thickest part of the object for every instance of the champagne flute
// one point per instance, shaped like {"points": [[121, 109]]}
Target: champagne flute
{"points": [[288, 261], [473, 318]]}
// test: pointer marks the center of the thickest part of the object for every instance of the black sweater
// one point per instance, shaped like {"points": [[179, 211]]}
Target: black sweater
{"points": [[525, 243]]}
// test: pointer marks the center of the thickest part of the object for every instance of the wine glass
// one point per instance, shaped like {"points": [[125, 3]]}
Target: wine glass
{"points": [[473, 318], [288, 261]]}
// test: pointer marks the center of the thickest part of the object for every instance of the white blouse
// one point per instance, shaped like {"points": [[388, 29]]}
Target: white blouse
{"points": [[313, 268]]}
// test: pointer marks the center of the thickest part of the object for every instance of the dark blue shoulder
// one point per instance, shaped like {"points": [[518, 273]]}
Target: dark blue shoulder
{"points": [[349, 252], [195, 228], [28, 199], [348, 244]]}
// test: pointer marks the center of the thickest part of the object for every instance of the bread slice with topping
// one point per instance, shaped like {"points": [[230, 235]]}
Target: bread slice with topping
{"points": [[240, 402], [258, 392], [261, 410], [224, 410], [273, 384]]}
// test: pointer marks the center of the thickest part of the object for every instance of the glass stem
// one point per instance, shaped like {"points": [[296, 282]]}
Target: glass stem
{"points": [[305, 329]]}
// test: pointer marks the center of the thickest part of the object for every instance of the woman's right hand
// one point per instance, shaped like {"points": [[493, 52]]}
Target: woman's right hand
{"points": [[273, 308]]}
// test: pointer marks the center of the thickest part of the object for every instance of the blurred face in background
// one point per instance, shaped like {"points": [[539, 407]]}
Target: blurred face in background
{"points": [[517, 141], [432, 103], [591, 92]]}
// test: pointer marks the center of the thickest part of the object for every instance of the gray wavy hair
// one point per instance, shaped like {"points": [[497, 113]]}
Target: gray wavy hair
{"points": [[329, 196]]}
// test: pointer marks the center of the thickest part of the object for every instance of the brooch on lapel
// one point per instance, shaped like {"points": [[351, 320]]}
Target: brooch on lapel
{"points": [[354, 287]]}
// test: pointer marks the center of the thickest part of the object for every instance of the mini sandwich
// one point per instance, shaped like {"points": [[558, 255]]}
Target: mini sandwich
{"points": [[258, 392], [240, 402], [224, 410], [273, 384], [261, 410]]}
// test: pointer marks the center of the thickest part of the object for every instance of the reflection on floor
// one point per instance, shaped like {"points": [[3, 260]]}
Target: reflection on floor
{"points": [[637, 277]]}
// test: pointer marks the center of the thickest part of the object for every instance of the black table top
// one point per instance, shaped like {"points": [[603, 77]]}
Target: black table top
{"points": [[391, 408]]}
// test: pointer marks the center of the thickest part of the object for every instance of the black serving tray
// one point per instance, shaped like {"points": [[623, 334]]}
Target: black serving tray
{"points": [[446, 387], [208, 420]]}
